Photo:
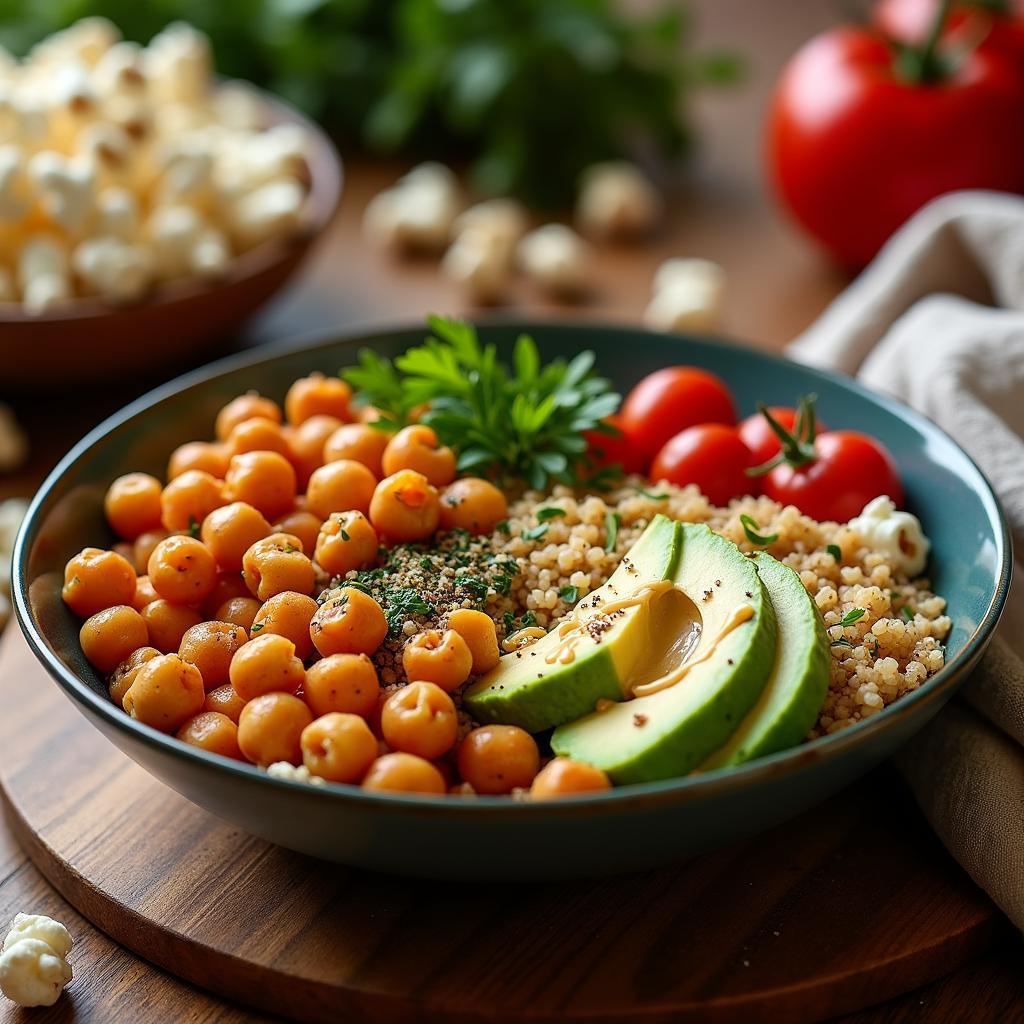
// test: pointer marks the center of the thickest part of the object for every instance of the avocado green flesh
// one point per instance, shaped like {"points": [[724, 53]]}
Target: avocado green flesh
{"points": [[668, 733], [526, 690], [796, 688]]}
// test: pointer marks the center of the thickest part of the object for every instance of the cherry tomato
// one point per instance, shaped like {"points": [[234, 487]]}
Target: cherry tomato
{"points": [[850, 469], [670, 400], [761, 439], [614, 449], [713, 457], [977, 24]]}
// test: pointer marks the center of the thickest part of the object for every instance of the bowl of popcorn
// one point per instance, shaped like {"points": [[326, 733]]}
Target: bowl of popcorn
{"points": [[147, 206]]}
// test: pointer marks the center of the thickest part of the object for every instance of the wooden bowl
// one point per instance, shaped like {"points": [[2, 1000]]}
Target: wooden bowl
{"points": [[88, 339]]}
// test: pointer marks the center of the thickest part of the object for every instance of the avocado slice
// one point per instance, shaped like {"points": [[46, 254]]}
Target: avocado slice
{"points": [[667, 733], [531, 691], [792, 697]]}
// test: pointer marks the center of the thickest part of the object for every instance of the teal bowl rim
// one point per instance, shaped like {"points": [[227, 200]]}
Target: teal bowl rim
{"points": [[647, 795]]}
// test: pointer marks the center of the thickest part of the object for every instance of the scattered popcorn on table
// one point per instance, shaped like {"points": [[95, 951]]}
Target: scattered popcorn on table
{"points": [[33, 963], [13, 447], [555, 258], [688, 296], [12, 512], [617, 201], [416, 214]]}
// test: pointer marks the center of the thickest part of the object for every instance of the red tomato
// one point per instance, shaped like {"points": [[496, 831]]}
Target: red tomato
{"points": [[710, 455], [670, 400], [614, 449], [854, 149], [762, 441], [850, 470], [910, 21]]}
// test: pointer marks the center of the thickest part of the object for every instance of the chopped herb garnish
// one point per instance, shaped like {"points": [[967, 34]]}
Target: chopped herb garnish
{"points": [[569, 594], [343, 533], [852, 616], [529, 619], [426, 563], [193, 526], [503, 527], [535, 533], [399, 604], [751, 527], [544, 514], [612, 522], [478, 588], [290, 549], [356, 585], [509, 622], [835, 551], [842, 642], [256, 627], [907, 614], [653, 497]]}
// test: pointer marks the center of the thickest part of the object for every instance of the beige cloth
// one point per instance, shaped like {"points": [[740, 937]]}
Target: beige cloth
{"points": [[938, 320]]}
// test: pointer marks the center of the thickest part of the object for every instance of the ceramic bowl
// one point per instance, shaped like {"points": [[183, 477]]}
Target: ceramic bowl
{"points": [[89, 340], [489, 838]]}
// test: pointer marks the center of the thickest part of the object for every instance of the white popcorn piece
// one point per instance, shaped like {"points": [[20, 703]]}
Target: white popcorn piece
{"points": [[172, 232], [66, 186], [481, 261], [13, 453], [690, 272], [272, 210], [617, 201], [555, 258], [211, 254], [505, 220], [132, 114], [179, 64], [12, 511], [417, 213], [108, 146], [113, 269], [33, 963], [87, 40], [23, 119], [237, 105], [688, 296], [43, 273], [71, 91], [898, 534], [284, 770], [187, 170], [117, 213], [14, 190], [120, 70]]}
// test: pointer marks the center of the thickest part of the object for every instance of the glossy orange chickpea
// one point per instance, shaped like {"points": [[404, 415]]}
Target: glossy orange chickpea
{"points": [[245, 407], [212, 732], [496, 759], [144, 593], [258, 435], [340, 487], [338, 747], [342, 682], [348, 622], [229, 531], [182, 570], [440, 658], [404, 773], [210, 646], [419, 719], [307, 443], [95, 579], [188, 499], [472, 504], [346, 541], [126, 550], [132, 504], [270, 729], [564, 777], [357, 442], [110, 636], [167, 623], [405, 507], [225, 701], [287, 614], [266, 665], [317, 395], [143, 548], [124, 674], [276, 564], [166, 693], [228, 585], [477, 629], [417, 448], [241, 611], [301, 524], [201, 455], [265, 480]]}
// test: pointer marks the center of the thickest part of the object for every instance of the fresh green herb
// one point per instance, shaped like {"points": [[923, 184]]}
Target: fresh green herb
{"points": [[509, 622], [907, 614], [398, 604], [356, 585], [544, 514], [842, 642], [653, 497], [502, 581], [426, 563], [852, 616], [835, 551], [477, 587], [256, 627], [751, 528], [612, 522], [290, 549], [529, 619], [535, 532], [503, 527], [193, 526], [569, 594], [343, 533]]}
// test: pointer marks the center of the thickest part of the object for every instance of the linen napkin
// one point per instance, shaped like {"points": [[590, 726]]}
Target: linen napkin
{"points": [[938, 321]]}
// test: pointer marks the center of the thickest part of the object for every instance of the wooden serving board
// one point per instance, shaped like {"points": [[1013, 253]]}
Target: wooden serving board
{"points": [[847, 906]]}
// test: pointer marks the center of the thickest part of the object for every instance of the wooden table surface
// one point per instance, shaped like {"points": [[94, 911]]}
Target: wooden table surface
{"points": [[777, 284]]}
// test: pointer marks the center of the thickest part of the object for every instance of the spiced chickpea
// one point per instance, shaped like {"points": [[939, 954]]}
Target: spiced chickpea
{"points": [[340, 487], [167, 623], [346, 541], [405, 507], [270, 729], [228, 585], [202, 455], [419, 719], [348, 622], [342, 682], [287, 614], [188, 499], [276, 564], [307, 443], [472, 504], [126, 550], [301, 524], [357, 442], [132, 504], [143, 548], [225, 701], [440, 658], [241, 611], [210, 646], [245, 407], [338, 747], [166, 693], [417, 448], [124, 674], [317, 395], [229, 531], [496, 759], [144, 593], [182, 570], [266, 664], [213, 732], [398, 772], [564, 777], [110, 636], [258, 435], [95, 579], [265, 480], [477, 629]]}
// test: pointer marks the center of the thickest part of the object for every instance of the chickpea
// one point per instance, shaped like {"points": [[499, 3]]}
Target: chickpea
{"points": [[228, 585], [419, 719], [270, 728], [563, 777], [124, 674], [287, 614], [340, 487], [477, 629], [188, 499], [369, 414], [182, 570], [144, 593], [258, 435], [229, 531], [444, 660], [266, 665], [276, 564], [166, 693], [405, 507], [132, 504], [245, 407], [266, 480], [225, 701], [404, 773], [213, 732], [496, 759], [338, 747], [417, 448], [143, 548], [301, 524], [201, 455], [346, 541], [110, 636], [241, 611], [349, 622], [126, 550], [357, 442], [317, 395], [307, 442], [472, 504], [342, 682], [210, 646], [95, 579], [167, 623]]}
